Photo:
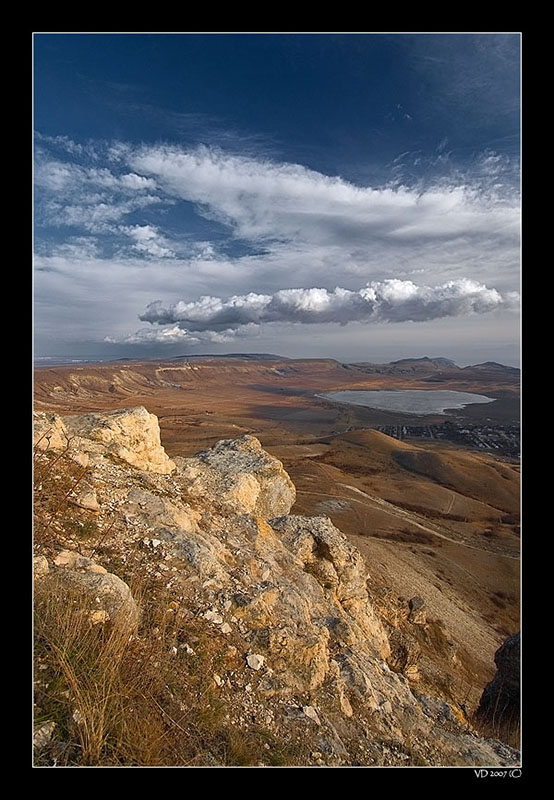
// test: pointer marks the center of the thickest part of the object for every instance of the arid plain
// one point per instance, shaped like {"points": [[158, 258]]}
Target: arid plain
{"points": [[433, 516]]}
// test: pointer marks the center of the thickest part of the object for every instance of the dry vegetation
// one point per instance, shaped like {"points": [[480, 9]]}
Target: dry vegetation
{"points": [[135, 699], [505, 728], [120, 696]]}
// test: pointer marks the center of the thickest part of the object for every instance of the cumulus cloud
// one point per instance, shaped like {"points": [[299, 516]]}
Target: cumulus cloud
{"points": [[178, 335], [172, 335], [385, 301]]}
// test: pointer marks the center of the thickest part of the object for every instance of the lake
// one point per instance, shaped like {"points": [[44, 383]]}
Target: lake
{"points": [[409, 401]]}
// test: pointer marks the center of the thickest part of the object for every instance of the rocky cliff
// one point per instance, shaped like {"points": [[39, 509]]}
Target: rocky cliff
{"points": [[308, 660]]}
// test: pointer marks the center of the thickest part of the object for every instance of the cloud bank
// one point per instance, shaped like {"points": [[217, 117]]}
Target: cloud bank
{"points": [[219, 319]]}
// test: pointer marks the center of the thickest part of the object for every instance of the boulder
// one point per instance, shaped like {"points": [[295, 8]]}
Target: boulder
{"points": [[128, 435], [255, 661], [40, 567], [85, 498], [240, 478], [69, 559]]}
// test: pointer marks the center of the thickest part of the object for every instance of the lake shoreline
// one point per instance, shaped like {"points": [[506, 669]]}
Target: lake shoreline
{"points": [[421, 402]]}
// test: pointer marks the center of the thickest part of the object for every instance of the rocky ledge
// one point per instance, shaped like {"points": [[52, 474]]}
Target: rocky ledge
{"points": [[288, 592]]}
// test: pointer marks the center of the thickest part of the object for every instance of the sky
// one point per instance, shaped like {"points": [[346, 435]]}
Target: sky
{"points": [[352, 196]]}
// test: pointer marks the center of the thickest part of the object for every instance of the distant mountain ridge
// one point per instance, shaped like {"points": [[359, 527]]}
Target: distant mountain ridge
{"points": [[246, 356], [438, 362], [493, 365]]}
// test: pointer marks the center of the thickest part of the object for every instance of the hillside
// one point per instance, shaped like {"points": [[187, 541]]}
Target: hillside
{"points": [[186, 617], [431, 518]]}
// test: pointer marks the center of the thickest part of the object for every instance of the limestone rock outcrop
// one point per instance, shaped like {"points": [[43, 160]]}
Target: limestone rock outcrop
{"points": [[418, 612], [240, 477], [128, 435], [338, 567], [405, 653], [49, 432]]}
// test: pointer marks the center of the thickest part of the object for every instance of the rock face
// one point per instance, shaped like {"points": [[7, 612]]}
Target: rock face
{"points": [[49, 432], [240, 477], [280, 591], [500, 701], [131, 436], [338, 568], [287, 593], [405, 653]]}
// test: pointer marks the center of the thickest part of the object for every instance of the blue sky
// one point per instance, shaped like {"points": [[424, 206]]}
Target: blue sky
{"points": [[352, 196]]}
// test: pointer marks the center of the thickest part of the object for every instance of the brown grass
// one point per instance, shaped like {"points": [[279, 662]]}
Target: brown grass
{"points": [[121, 697], [506, 728], [55, 477]]}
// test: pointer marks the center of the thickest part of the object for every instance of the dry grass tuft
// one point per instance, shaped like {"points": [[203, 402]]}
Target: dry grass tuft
{"points": [[139, 700]]}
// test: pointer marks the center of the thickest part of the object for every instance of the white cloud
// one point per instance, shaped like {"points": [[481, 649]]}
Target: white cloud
{"points": [[56, 176], [266, 201], [307, 225], [172, 335], [88, 197], [78, 248], [147, 239], [67, 144], [175, 335], [386, 301], [93, 213]]}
